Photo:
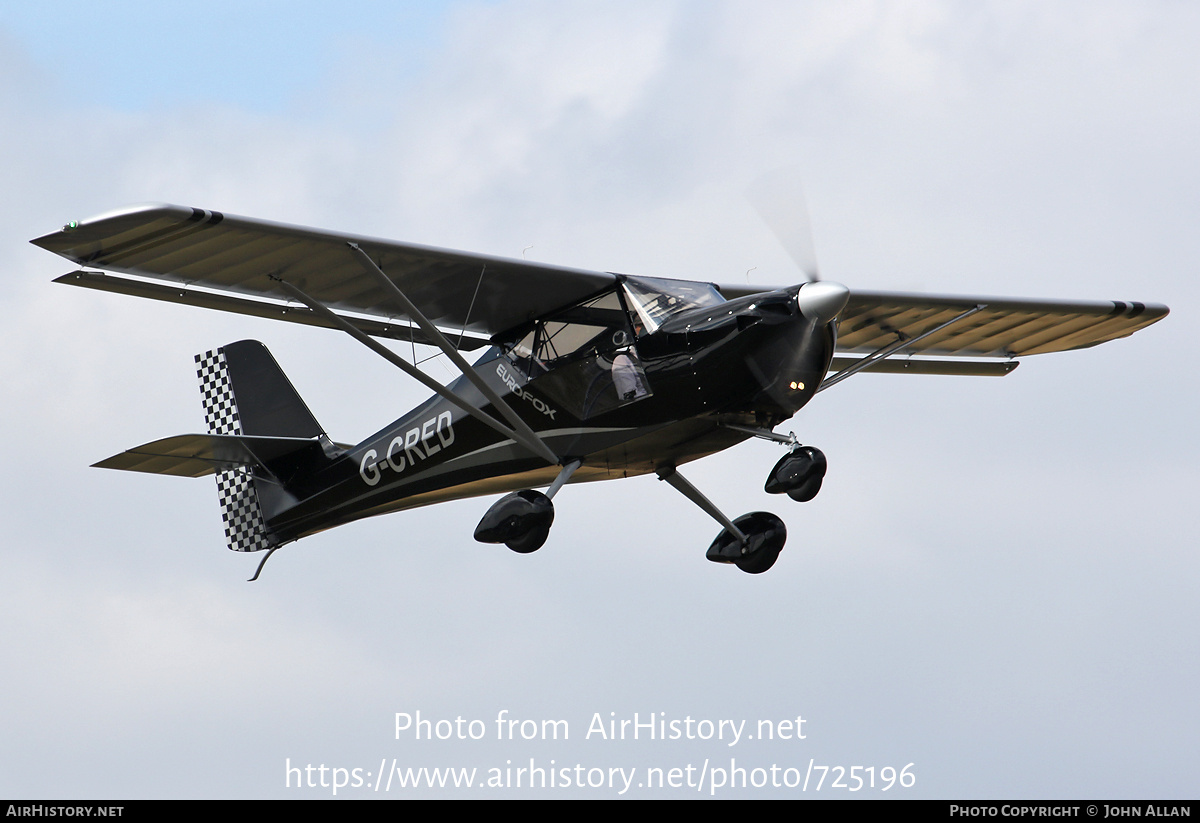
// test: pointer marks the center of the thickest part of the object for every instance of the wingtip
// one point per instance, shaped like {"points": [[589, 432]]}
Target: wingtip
{"points": [[73, 232]]}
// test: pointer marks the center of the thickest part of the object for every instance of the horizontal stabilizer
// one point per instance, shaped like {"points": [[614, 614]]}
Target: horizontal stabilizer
{"points": [[197, 455]]}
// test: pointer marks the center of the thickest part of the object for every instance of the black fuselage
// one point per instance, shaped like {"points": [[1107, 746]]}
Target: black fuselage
{"points": [[627, 402]]}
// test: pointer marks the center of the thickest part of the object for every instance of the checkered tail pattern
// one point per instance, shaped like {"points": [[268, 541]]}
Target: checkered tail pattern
{"points": [[244, 526]]}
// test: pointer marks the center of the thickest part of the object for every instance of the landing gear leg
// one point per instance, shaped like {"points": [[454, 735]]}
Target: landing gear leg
{"points": [[752, 542]]}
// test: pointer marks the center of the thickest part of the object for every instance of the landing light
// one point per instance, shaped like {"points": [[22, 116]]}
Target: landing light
{"points": [[797, 386]]}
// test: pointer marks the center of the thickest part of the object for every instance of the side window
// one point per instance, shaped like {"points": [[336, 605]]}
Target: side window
{"points": [[601, 324], [584, 358], [561, 339], [523, 354]]}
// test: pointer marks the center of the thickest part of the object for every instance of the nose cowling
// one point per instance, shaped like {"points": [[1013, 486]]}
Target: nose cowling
{"points": [[822, 301]]}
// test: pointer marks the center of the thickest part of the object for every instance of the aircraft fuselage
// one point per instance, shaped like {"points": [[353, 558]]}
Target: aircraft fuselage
{"points": [[754, 361]]}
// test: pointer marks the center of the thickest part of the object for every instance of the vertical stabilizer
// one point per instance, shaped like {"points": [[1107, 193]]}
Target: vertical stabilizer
{"points": [[245, 392]]}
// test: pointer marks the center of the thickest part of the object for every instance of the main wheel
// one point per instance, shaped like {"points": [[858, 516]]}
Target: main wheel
{"points": [[798, 474], [807, 490], [765, 536], [530, 541], [520, 520], [758, 562]]}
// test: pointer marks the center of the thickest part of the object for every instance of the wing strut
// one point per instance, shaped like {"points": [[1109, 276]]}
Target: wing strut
{"points": [[696, 496], [535, 445], [894, 348], [435, 334]]}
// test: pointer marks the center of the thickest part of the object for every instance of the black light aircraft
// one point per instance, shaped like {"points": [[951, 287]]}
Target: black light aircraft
{"points": [[586, 375]]}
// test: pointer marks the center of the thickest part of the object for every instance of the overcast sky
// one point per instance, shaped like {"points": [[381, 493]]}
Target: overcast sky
{"points": [[997, 583]]}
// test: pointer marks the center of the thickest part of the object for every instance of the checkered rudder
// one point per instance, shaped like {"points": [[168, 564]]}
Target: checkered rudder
{"points": [[244, 527]]}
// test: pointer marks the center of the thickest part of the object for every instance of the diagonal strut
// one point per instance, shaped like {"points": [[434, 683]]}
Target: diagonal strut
{"points": [[535, 445], [451, 352]]}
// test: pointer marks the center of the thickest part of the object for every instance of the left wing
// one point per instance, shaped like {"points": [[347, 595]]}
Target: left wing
{"points": [[189, 247], [1002, 327], [976, 327]]}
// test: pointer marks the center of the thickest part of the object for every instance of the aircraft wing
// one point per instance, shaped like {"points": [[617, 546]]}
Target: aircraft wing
{"points": [[217, 252], [1002, 327]]}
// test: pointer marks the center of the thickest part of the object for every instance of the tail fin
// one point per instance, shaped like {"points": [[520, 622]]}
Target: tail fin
{"points": [[246, 393]]}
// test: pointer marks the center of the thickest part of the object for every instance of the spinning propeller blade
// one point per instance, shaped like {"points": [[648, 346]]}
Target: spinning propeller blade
{"points": [[778, 197]]}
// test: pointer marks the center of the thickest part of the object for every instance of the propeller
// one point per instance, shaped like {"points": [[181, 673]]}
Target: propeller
{"points": [[778, 197]]}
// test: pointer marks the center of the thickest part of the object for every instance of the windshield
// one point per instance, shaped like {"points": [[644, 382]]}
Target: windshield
{"points": [[655, 299]]}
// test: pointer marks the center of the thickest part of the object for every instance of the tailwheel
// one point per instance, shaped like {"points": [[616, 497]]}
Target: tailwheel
{"points": [[765, 535], [798, 474], [520, 520]]}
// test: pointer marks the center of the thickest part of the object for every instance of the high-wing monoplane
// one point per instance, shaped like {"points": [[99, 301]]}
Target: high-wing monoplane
{"points": [[586, 375]]}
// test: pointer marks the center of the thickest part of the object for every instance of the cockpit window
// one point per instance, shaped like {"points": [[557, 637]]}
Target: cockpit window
{"points": [[583, 359], [599, 324], [656, 299]]}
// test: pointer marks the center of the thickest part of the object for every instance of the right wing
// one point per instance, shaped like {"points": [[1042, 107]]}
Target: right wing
{"points": [[472, 293]]}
